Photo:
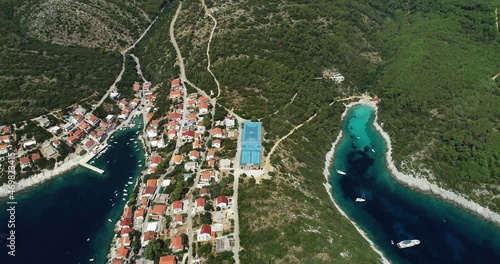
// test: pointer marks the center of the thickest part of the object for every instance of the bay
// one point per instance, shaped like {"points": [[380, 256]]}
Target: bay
{"points": [[392, 211], [55, 219]]}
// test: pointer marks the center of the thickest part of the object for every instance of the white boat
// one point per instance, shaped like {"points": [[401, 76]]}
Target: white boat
{"points": [[140, 165], [361, 199], [88, 239], [124, 199], [125, 194], [109, 220], [341, 172], [408, 243], [373, 150], [130, 182], [125, 190], [91, 260]]}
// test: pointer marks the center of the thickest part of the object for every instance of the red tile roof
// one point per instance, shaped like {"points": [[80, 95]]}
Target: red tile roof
{"points": [[25, 160], [122, 252], [128, 212], [222, 199], [140, 212], [205, 229], [177, 243], [125, 231], [200, 202], [151, 182], [168, 260], [177, 205], [177, 218], [35, 157], [158, 209], [203, 191], [176, 82], [149, 190], [149, 235], [155, 160], [126, 222]]}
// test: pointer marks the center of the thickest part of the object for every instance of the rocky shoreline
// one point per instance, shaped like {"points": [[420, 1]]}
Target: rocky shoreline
{"points": [[39, 178], [424, 185]]}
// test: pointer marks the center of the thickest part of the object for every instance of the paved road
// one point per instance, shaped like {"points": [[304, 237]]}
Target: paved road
{"points": [[237, 172]]}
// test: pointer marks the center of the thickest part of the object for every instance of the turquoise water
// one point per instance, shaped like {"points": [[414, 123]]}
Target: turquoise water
{"points": [[394, 212], [54, 220]]}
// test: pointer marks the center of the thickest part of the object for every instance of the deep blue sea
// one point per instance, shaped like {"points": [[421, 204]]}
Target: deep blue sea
{"points": [[55, 219], [394, 212]]}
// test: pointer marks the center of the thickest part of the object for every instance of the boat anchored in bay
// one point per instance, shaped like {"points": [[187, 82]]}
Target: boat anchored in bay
{"points": [[408, 243], [340, 172]]}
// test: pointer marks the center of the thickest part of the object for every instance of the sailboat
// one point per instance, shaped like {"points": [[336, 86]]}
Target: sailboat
{"points": [[362, 199], [340, 172]]}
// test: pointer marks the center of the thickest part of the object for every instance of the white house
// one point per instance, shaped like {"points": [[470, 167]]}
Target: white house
{"points": [[204, 233], [229, 122], [225, 164], [338, 78], [151, 132], [222, 201], [190, 166], [29, 144]]}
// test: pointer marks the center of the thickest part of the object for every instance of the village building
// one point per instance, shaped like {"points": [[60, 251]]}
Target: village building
{"points": [[177, 220], [122, 252], [191, 166], [194, 155], [177, 207], [25, 162], [205, 233], [216, 143], [200, 205], [217, 133], [168, 260], [222, 202], [178, 159], [176, 244]]}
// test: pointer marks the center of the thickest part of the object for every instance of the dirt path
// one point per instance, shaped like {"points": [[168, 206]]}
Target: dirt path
{"points": [[138, 67], [496, 76], [209, 13], [123, 53], [268, 166], [277, 111], [496, 18]]}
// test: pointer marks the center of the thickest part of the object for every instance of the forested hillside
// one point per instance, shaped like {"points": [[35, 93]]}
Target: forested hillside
{"points": [[54, 53], [439, 102]]}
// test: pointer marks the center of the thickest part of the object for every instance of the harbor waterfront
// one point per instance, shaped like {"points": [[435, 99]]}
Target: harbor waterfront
{"points": [[66, 219], [393, 212]]}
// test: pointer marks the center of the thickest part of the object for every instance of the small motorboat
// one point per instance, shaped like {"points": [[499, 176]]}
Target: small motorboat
{"points": [[340, 172], [109, 220]]}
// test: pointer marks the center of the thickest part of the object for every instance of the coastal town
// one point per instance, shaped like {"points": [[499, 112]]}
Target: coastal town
{"points": [[184, 205], [184, 208]]}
